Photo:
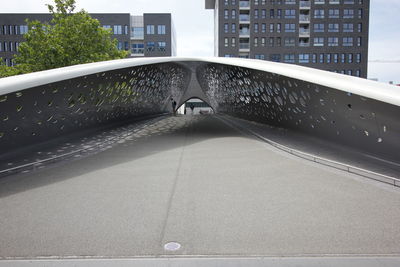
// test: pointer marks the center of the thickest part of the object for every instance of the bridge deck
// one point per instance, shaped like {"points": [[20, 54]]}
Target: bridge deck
{"points": [[199, 182]]}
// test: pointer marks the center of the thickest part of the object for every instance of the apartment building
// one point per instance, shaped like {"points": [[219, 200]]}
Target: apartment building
{"points": [[324, 34], [152, 35]]}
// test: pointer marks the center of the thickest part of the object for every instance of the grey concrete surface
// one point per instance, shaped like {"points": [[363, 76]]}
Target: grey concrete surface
{"points": [[196, 181]]}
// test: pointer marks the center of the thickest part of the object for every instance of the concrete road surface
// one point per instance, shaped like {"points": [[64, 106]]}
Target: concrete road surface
{"points": [[200, 183]]}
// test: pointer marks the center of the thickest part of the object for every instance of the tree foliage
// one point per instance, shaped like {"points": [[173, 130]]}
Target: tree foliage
{"points": [[69, 39]]}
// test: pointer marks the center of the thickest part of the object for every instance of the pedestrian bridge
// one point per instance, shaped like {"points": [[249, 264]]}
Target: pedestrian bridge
{"points": [[296, 163]]}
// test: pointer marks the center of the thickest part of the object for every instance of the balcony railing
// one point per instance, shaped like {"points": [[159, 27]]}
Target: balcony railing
{"points": [[244, 18], [244, 3], [304, 44], [304, 32], [244, 46], [244, 32], [304, 18], [305, 4]]}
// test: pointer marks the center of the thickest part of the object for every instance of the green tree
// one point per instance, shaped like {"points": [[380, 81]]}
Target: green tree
{"points": [[69, 39]]}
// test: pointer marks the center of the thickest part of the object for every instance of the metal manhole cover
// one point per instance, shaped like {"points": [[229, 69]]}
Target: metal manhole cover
{"points": [[172, 246]]}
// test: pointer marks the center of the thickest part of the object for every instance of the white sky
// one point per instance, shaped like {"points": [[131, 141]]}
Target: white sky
{"points": [[195, 26]]}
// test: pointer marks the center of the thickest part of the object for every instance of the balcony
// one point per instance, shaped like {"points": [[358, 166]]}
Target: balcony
{"points": [[305, 4], [304, 32], [243, 18], [243, 47], [244, 4], [304, 19], [245, 32], [304, 44]]}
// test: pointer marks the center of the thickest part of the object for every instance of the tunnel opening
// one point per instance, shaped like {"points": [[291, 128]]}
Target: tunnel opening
{"points": [[195, 106]]}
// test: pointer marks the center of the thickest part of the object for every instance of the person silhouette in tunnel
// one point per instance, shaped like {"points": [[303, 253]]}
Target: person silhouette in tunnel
{"points": [[173, 106]]}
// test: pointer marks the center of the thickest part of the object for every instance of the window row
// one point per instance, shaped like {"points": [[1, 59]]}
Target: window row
{"points": [[117, 29], [291, 41], [334, 27], [9, 46], [151, 29], [123, 46], [334, 41], [337, 13], [245, 3], [156, 46], [13, 29], [139, 48], [322, 58]]}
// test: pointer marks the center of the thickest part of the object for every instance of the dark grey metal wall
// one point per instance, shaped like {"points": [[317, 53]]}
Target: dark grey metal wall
{"points": [[42, 113], [38, 114], [366, 124]]}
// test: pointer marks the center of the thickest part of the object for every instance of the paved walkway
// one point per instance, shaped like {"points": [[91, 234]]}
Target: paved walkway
{"points": [[199, 182]]}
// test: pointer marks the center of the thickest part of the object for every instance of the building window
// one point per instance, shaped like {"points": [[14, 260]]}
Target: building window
{"points": [[290, 27], [319, 13], [290, 14], [333, 27], [319, 41], [348, 27], [290, 41], [350, 58], [278, 41], [334, 13], [360, 13], [226, 14], [119, 45], [161, 29], [319, 2], [319, 27], [359, 27], [279, 13], [314, 58], [335, 58], [162, 46], [321, 58], [233, 27], [233, 2], [256, 27], [289, 58], [348, 13], [275, 57], [278, 27], [271, 13], [226, 42], [263, 41], [118, 29], [263, 14], [290, 2], [358, 58], [150, 46], [271, 41], [328, 58], [359, 41], [259, 56], [150, 29], [23, 29], [347, 41], [138, 32], [233, 42], [343, 58], [348, 2], [226, 2], [333, 41], [255, 13], [137, 48], [226, 27], [304, 58], [233, 14], [358, 73], [255, 41]]}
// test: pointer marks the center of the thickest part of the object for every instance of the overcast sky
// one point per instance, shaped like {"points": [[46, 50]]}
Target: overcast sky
{"points": [[195, 35]]}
